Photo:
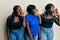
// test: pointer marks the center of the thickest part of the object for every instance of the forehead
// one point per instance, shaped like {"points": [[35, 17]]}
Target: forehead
{"points": [[52, 6], [19, 8]]}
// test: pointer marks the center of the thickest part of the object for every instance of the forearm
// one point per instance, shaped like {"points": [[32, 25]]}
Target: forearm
{"points": [[40, 21], [57, 20], [39, 33], [8, 33], [24, 22], [39, 30], [29, 33]]}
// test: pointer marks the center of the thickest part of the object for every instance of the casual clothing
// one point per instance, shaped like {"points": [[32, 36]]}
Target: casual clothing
{"points": [[47, 23], [16, 34], [46, 32], [33, 24], [16, 28], [16, 25], [28, 38]]}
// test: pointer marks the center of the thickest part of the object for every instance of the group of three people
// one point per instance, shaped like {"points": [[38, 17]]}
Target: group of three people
{"points": [[33, 25]]}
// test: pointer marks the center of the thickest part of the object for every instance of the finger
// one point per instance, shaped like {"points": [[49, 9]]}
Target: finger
{"points": [[56, 10]]}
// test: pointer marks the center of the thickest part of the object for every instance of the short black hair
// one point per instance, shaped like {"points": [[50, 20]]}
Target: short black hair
{"points": [[30, 8]]}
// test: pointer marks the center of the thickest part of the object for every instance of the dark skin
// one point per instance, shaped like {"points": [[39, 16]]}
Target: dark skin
{"points": [[16, 19], [40, 21], [7, 29], [54, 14], [49, 16], [30, 35], [57, 20], [38, 14], [31, 38]]}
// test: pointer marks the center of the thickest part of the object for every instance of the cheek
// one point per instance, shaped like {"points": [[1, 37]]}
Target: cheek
{"points": [[18, 11], [52, 10]]}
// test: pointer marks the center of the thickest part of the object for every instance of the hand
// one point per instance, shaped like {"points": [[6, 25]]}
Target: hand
{"points": [[8, 38], [36, 11], [56, 12], [38, 36], [22, 13]]}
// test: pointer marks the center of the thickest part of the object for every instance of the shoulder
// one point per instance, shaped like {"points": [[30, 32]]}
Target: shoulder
{"points": [[9, 17], [35, 15], [27, 15]]}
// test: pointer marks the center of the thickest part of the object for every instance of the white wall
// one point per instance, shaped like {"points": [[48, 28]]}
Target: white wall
{"points": [[6, 7]]}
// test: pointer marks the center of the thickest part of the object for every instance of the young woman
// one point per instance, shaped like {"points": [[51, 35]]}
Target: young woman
{"points": [[15, 24], [51, 15], [32, 23]]}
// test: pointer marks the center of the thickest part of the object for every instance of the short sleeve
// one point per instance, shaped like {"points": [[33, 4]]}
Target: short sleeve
{"points": [[26, 19], [36, 16]]}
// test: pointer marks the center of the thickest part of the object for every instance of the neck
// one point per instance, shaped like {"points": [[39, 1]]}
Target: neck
{"points": [[30, 14], [49, 14]]}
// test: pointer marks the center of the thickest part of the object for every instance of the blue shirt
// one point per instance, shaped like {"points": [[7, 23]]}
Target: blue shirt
{"points": [[33, 23]]}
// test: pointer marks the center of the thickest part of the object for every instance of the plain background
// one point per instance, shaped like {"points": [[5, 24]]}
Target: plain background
{"points": [[6, 8]]}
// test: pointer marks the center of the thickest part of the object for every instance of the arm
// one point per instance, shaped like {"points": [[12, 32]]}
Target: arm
{"points": [[24, 22], [29, 31], [36, 11], [23, 15], [40, 20], [40, 27], [57, 20], [39, 17], [57, 17], [39, 34], [7, 28]]}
